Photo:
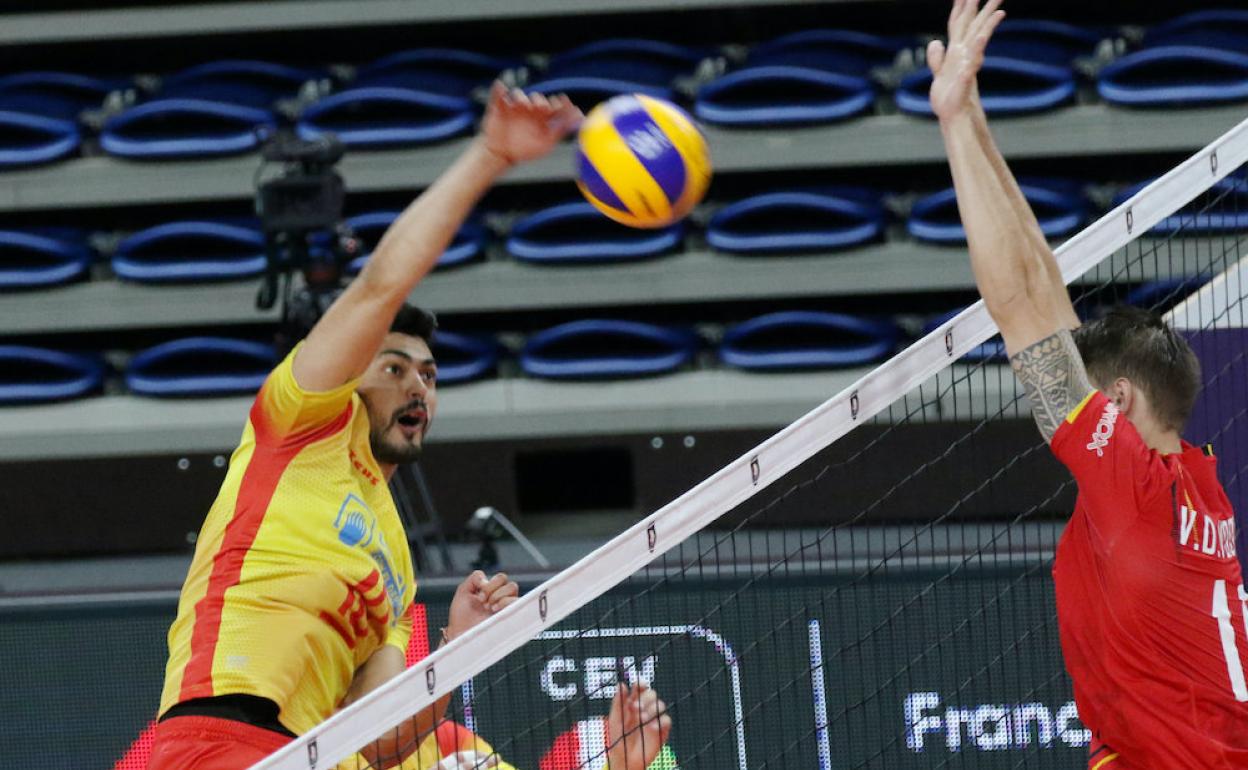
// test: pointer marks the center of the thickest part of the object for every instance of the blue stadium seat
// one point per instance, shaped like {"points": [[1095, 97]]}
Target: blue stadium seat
{"points": [[799, 221], [606, 349], [448, 71], [1027, 68], [1059, 205], [993, 350], [800, 339], [595, 72], [200, 366], [1163, 294], [1221, 214], [464, 358], [191, 252], [31, 375], [816, 76], [1198, 58], [467, 245], [37, 258], [39, 114], [578, 233], [408, 98], [219, 108]]}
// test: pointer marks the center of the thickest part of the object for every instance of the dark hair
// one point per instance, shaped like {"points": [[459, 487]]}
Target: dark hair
{"points": [[1137, 344], [415, 322]]}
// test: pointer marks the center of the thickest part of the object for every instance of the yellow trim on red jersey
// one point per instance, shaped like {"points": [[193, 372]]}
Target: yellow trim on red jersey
{"points": [[1074, 413], [1105, 761]]}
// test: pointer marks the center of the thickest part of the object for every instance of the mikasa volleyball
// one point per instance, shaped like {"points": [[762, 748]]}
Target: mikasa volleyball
{"points": [[642, 161]]}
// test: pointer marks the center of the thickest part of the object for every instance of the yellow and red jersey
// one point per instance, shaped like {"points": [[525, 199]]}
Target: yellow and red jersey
{"points": [[302, 569]]}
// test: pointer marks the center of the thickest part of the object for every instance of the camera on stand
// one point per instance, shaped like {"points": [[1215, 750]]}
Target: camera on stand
{"points": [[300, 210]]}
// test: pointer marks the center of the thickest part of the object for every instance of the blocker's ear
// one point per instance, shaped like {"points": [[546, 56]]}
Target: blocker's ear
{"points": [[1124, 395]]}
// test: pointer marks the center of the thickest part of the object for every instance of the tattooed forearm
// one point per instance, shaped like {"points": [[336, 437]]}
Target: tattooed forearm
{"points": [[1053, 375]]}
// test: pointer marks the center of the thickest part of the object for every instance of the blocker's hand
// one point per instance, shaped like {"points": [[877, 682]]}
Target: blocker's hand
{"points": [[477, 598], [955, 66], [519, 127], [637, 728]]}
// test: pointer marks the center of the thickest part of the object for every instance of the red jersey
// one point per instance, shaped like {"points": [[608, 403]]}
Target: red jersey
{"points": [[1151, 607]]}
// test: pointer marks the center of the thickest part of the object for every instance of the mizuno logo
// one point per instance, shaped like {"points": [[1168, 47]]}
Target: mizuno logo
{"points": [[1104, 430]]}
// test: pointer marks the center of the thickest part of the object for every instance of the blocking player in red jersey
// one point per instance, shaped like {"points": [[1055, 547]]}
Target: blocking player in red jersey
{"points": [[1151, 607]]}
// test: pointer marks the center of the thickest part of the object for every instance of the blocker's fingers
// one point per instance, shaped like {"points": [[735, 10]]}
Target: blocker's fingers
{"points": [[985, 32], [935, 56], [981, 19], [961, 15], [540, 100], [990, 7]]}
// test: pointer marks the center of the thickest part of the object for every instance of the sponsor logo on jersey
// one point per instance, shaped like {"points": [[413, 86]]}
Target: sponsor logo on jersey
{"points": [[357, 526], [362, 469], [1203, 534], [1104, 430]]}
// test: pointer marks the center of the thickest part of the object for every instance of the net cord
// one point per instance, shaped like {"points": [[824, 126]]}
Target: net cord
{"points": [[613, 562]]}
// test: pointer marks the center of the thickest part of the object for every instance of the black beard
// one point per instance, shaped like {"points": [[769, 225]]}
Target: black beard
{"points": [[392, 454], [389, 454]]}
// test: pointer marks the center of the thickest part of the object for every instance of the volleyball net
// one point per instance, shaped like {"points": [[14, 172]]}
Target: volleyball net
{"points": [[869, 587]]}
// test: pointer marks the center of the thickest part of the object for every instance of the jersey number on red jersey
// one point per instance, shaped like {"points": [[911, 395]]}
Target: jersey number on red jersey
{"points": [[1222, 612]]}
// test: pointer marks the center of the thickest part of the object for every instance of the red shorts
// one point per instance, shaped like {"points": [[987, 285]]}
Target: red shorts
{"points": [[208, 743]]}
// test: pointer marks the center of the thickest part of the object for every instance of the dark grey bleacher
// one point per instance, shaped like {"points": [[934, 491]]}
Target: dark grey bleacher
{"points": [[1081, 131], [254, 16], [507, 286]]}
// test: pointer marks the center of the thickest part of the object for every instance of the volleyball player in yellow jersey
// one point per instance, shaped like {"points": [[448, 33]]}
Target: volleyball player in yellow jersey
{"points": [[296, 600]]}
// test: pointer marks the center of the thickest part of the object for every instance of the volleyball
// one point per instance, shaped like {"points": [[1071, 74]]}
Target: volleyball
{"points": [[642, 161]]}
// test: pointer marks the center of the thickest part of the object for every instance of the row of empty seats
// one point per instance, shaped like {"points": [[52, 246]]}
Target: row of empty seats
{"points": [[428, 95], [785, 222], [578, 350], [592, 349]]}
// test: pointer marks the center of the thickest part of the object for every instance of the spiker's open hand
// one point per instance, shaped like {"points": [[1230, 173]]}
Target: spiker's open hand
{"points": [[519, 127], [955, 66]]}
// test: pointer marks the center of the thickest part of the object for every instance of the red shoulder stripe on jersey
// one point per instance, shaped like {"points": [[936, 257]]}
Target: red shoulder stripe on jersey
{"points": [[255, 492], [266, 431]]}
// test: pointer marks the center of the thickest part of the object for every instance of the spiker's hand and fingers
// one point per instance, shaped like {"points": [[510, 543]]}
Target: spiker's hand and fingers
{"points": [[637, 727], [477, 598], [521, 126], [955, 65]]}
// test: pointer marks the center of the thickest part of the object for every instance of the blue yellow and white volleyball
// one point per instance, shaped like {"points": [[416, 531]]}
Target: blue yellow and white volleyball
{"points": [[642, 161]]}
